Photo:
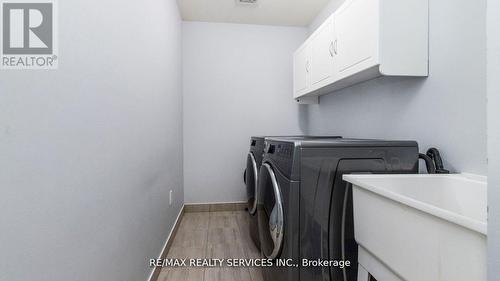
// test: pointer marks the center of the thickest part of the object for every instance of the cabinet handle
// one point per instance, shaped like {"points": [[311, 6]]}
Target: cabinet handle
{"points": [[331, 49], [307, 67], [335, 50]]}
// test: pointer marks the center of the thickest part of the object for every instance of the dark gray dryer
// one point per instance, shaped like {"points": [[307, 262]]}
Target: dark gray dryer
{"points": [[254, 160], [304, 208]]}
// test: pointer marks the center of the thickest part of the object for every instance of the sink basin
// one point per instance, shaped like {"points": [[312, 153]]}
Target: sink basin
{"points": [[421, 227]]}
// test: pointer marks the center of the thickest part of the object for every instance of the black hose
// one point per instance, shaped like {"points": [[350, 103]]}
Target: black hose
{"points": [[434, 154], [431, 168]]}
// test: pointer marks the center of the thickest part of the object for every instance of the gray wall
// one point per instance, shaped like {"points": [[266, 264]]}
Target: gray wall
{"points": [[237, 83], [494, 139], [88, 152], [446, 110]]}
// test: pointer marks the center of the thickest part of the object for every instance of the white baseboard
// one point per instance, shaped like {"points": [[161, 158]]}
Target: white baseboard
{"points": [[156, 271]]}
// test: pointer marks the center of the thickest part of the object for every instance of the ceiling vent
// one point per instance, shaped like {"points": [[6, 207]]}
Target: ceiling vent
{"points": [[246, 2]]}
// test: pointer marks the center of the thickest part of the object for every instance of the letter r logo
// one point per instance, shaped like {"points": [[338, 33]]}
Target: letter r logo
{"points": [[27, 28]]}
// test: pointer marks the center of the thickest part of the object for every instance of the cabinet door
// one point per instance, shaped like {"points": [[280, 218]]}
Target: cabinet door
{"points": [[301, 68], [356, 26], [322, 54]]}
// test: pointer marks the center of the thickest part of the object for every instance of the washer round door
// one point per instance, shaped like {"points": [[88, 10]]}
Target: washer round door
{"points": [[251, 181], [270, 213]]}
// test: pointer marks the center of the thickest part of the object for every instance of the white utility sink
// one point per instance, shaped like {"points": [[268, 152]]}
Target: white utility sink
{"points": [[421, 227]]}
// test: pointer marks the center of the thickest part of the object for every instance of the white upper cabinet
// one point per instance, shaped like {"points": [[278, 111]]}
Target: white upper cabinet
{"points": [[356, 36], [322, 54], [362, 40], [301, 67]]}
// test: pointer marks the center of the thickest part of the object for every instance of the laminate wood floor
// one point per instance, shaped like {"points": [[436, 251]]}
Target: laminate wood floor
{"points": [[219, 235]]}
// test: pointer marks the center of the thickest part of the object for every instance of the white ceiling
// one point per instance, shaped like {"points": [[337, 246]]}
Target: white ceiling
{"points": [[268, 12]]}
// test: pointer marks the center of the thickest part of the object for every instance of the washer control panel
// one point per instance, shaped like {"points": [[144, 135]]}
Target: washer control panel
{"points": [[282, 150], [281, 153]]}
